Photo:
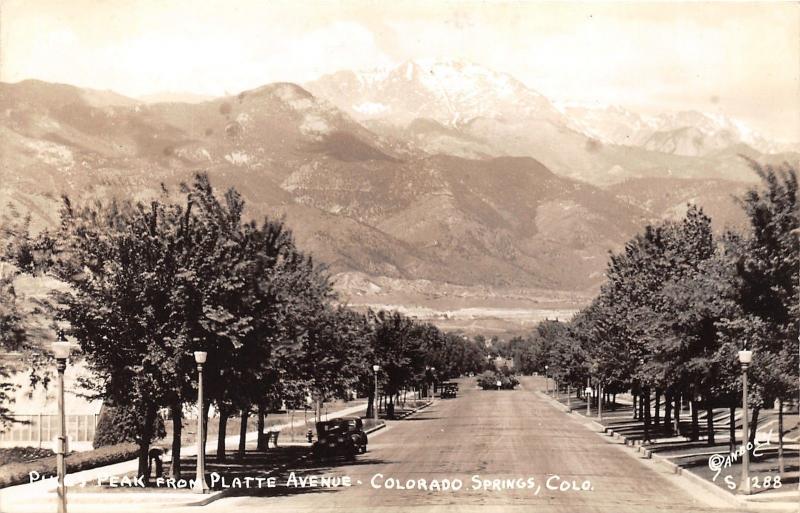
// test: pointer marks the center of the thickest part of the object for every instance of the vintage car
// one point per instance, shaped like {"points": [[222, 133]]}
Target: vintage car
{"points": [[344, 436], [449, 390]]}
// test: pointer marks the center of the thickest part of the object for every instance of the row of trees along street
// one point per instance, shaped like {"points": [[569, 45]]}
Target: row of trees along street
{"points": [[149, 283], [678, 304]]}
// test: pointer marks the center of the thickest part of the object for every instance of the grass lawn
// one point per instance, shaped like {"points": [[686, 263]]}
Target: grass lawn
{"points": [[695, 455], [273, 419]]}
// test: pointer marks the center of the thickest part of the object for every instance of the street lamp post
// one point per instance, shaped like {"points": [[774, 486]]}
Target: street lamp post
{"points": [[61, 350], [745, 357], [588, 392], [433, 383], [200, 485], [375, 369], [429, 384], [546, 380], [600, 400]]}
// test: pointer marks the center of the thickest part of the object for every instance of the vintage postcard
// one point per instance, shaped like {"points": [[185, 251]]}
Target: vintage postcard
{"points": [[410, 256]]}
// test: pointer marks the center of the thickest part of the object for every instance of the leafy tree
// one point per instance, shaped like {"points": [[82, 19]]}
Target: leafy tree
{"points": [[118, 425], [13, 337], [766, 272], [145, 293]]}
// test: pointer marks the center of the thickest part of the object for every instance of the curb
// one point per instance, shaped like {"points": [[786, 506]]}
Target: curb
{"points": [[157, 500], [225, 493], [676, 469], [400, 417], [415, 410], [375, 428]]}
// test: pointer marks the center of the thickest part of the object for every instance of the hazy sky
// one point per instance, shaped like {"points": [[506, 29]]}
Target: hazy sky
{"points": [[739, 59]]}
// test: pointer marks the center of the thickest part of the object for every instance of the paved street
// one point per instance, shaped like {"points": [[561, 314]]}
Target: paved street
{"points": [[496, 435]]}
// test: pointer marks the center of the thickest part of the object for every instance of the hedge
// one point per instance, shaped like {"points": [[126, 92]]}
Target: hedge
{"points": [[118, 425], [16, 454], [18, 473]]}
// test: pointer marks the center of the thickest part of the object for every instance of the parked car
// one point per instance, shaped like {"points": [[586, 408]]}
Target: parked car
{"points": [[344, 436]]}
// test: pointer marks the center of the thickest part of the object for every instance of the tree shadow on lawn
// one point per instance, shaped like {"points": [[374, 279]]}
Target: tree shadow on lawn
{"points": [[760, 467], [255, 463], [767, 460], [276, 462]]}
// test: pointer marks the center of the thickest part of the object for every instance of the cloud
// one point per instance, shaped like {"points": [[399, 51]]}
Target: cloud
{"points": [[742, 59]]}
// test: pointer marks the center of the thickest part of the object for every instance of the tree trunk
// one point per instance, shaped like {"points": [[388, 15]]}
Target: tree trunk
{"points": [[732, 429], [144, 448], [206, 408], [710, 422], [781, 468], [677, 413], [635, 407], [176, 412], [261, 439], [667, 412], [243, 433], [753, 425], [389, 404], [646, 397], [223, 426], [657, 419], [695, 421], [144, 443], [370, 405]]}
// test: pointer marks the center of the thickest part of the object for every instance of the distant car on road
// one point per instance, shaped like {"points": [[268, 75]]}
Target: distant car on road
{"points": [[344, 436], [449, 390], [497, 381]]}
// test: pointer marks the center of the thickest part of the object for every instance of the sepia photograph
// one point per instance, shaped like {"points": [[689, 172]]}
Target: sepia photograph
{"points": [[412, 256]]}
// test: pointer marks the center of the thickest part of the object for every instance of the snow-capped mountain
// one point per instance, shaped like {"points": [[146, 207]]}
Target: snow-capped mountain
{"points": [[450, 93], [358, 201], [611, 125], [493, 197], [689, 133], [455, 94], [466, 110]]}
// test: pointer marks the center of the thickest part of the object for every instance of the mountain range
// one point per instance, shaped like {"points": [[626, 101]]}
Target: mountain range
{"points": [[430, 184]]}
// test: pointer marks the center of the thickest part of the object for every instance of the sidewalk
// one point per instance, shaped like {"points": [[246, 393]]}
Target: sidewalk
{"points": [[26, 492], [693, 459]]}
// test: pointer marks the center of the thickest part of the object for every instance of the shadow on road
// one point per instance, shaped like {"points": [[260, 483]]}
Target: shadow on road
{"points": [[305, 469]]}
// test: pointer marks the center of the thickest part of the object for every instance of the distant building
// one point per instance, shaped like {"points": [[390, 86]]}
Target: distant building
{"points": [[35, 411], [500, 362]]}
